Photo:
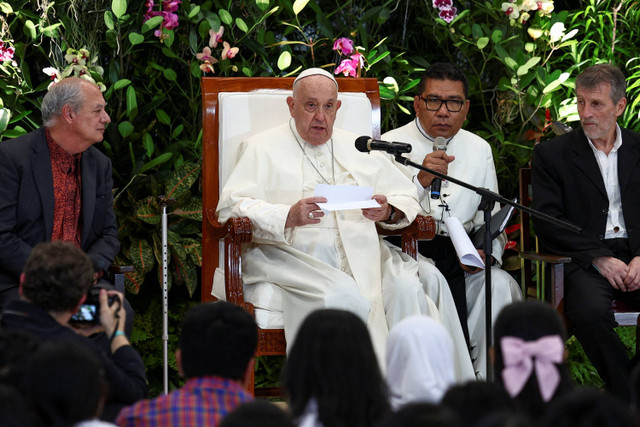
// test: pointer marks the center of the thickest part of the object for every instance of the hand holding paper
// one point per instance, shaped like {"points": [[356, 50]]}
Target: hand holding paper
{"points": [[345, 197]]}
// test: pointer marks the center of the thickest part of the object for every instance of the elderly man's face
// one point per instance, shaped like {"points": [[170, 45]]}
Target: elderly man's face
{"points": [[598, 113], [313, 108], [441, 122], [89, 122]]}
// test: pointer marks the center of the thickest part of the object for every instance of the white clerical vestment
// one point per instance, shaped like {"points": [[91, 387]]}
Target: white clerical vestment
{"points": [[340, 262], [473, 164]]}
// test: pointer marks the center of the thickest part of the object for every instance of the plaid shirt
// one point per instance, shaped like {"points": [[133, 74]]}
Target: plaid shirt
{"points": [[201, 402]]}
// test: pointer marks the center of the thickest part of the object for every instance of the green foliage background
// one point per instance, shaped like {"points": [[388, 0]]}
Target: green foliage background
{"points": [[521, 91]]}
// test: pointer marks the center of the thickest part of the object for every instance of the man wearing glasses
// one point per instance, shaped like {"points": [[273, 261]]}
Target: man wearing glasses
{"points": [[439, 143]]}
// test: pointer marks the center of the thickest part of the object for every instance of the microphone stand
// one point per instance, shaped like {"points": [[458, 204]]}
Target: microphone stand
{"points": [[489, 198]]}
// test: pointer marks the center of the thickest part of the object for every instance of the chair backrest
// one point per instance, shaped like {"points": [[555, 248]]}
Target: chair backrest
{"points": [[235, 108]]}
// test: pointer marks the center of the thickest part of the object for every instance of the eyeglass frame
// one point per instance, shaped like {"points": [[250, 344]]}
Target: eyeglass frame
{"points": [[445, 102]]}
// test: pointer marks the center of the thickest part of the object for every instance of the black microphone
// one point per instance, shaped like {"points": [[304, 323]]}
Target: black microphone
{"points": [[366, 144], [439, 144]]}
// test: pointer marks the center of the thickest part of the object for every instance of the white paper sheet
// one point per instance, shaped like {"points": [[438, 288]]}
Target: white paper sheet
{"points": [[467, 253], [345, 197]]}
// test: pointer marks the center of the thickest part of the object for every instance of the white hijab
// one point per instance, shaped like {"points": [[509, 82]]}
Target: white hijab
{"points": [[420, 364]]}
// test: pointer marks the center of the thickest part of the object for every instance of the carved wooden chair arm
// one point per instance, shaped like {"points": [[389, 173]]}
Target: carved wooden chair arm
{"points": [[422, 228]]}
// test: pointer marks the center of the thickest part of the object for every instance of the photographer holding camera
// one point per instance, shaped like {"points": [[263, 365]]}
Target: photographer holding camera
{"points": [[54, 284]]}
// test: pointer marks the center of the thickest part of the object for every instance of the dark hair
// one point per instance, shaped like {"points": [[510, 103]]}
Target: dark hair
{"points": [[587, 407], [65, 384], [332, 362], [57, 275], [529, 321], [443, 71], [422, 414], [217, 339], [16, 349], [474, 400], [257, 413], [594, 76]]}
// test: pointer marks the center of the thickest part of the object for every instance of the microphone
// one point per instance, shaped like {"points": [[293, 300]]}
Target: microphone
{"points": [[366, 144], [439, 144]]}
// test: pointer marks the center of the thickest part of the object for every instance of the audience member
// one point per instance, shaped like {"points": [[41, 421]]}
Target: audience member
{"points": [[475, 400], [590, 178], [332, 376], [587, 407], [56, 186], [66, 386], [421, 414], [13, 408], [215, 355], [419, 361], [441, 105], [54, 284], [257, 413], [530, 355]]}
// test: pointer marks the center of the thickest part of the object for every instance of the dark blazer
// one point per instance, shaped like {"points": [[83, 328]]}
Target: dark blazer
{"points": [[26, 204], [567, 184]]}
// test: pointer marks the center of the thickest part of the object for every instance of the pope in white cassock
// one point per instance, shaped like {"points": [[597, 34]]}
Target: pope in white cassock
{"points": [[441, 108], [334, 260]]}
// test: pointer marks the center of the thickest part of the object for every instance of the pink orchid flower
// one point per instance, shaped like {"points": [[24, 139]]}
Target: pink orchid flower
{"points": [[229, 52], [215, 36], [343, 45], [205, 55], [440, 4], [171, 5], [447, 14], [346, 68], [207, 67]]}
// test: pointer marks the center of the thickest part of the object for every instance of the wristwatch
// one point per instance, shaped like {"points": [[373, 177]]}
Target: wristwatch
{"points": [[392, 215]]}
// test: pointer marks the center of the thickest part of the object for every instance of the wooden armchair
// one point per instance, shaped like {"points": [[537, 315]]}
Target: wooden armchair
{"points": [[551, 268], [224, 96]]}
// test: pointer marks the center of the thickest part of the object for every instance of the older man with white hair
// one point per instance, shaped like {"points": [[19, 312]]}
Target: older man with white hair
{"points": [[323, 260]]}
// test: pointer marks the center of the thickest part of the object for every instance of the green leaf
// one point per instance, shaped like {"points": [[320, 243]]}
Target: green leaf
{"points": [[476, 30], [496, 36], [30, 29], [262, 4], [284, 60], [482, 42], [524, 69], [108, 20], [152, 23], [177, 131], [7, 9], [119, 7], [162, 116], [510, 62], [195, 9], [162, 158], [132, 103], [125, 128], [147, 143], [5, 115], [140, 251], [225, 17], [170, 37], [135, 38], [191, 210], [242, 25], [121, 83], [169, 74], [182, 180], [298, 5]]}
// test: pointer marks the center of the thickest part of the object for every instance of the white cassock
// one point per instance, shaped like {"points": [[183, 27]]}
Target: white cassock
{"points": [[473, 164], [340, 262]]}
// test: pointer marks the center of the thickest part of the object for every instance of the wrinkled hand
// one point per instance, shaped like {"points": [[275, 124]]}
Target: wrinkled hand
{"points": [[632, 281], [474, 270], [378, 214], [437, 161], [614, 270], [299, 212]]}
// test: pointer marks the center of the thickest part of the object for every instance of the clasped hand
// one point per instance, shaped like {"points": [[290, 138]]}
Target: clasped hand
{"points": [[623, 277]]}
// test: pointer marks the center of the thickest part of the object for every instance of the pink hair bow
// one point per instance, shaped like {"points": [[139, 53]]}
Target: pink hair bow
{"points": [[518, 358]]}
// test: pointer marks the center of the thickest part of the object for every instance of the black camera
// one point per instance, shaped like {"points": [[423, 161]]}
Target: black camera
{"points": [[89, 311]]}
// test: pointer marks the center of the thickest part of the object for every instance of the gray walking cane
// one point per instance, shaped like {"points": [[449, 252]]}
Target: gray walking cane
{"points": [[165, 202]]}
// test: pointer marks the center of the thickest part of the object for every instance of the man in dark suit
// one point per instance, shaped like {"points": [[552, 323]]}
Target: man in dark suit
{"points": [[56, 186], [590, 177]]}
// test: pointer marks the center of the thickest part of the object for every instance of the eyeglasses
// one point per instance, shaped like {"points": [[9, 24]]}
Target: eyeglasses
{"points": [[434, 104]]}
